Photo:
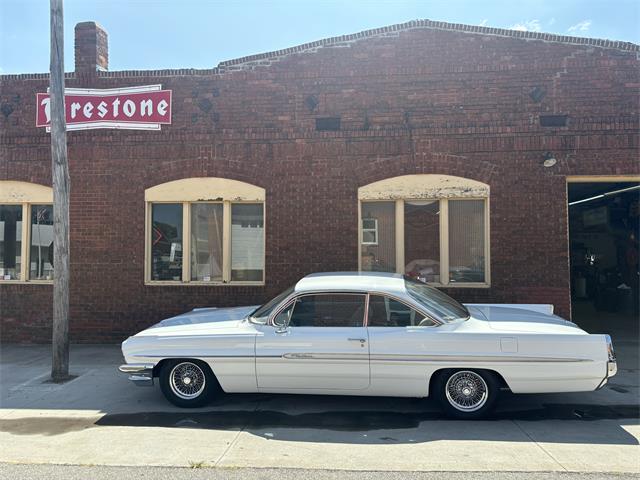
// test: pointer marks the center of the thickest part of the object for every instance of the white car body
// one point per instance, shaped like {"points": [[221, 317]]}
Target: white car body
{"points": [[533, 350]]}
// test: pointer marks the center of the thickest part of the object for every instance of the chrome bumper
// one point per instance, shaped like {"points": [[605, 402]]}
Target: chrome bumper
{"points": [[139, 373], [612, 369]]}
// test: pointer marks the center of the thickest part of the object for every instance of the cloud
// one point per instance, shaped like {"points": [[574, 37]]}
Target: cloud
{"points": [[528, 26], [483, 23], [582, 26], [552, 21]]}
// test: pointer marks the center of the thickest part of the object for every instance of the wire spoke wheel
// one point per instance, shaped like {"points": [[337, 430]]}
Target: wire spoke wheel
{"points": [[466, 391], [187, 380]]}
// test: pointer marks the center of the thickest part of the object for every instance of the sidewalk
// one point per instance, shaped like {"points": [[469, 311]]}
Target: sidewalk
{"points": [[99, 418]]}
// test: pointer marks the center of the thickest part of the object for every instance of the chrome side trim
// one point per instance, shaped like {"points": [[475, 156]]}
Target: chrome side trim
{"points": [[383, 358], [326, 356], [475, 358], [206, 356], [430, 358]]}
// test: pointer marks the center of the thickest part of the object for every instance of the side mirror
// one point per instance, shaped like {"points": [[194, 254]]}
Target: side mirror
{"points": [[281, 329]]}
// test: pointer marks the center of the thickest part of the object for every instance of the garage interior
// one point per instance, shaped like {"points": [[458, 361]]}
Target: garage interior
{"points": [[604, 242]]}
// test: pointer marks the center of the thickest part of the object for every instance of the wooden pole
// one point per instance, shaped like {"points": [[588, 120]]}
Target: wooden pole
{"points": [[60, 174]]}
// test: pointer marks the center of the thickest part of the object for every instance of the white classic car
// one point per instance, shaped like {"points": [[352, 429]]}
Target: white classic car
{"points": [[369, 334]]}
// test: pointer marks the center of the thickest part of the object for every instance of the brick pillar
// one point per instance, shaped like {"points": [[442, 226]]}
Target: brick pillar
{"points": [[91, 49]]}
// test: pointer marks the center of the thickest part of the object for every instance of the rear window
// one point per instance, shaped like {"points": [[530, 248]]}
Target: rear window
{"points": [[441, 304]]}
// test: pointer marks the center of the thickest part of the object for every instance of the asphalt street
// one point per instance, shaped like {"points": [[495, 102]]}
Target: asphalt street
{"points": [[66, 472]]}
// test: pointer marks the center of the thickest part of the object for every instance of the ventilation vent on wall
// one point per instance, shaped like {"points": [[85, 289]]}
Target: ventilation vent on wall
{"points": [[311, 102], [553, 120], [537, 94], [328, 124]]}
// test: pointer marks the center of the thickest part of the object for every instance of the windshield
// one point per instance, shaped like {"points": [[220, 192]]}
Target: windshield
{"points": [[261, 315], [445, 307]]}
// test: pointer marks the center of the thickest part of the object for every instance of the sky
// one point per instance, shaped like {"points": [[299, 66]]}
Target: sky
{"points": [[156, 34]]}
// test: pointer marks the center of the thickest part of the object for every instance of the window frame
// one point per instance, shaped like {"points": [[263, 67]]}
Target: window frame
{"points": [[25, 246], [291, 300], [293, 296], [374, 230], [186, 243], [26, 195], [444, 237]]}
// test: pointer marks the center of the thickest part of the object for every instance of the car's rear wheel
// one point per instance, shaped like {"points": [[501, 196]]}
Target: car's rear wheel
{"points": [[466, 394], [187, 383]]}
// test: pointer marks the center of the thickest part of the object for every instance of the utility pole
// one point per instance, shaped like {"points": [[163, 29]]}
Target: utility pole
{"points": [[60, 174]]}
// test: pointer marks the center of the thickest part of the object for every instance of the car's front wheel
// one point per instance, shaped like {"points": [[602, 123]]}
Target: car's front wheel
{"points": [[187, 383], [466, 394]]}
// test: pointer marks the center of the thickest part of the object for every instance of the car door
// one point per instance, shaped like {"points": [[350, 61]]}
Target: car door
{"points": [[317, 342]]}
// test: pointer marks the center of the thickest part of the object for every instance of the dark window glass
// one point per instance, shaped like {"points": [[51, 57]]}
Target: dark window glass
{"points": [[247, 242], [10, 241], [166, 241], [328, 310], [422, 240], [41, 250], [387, 312], [466, 241], [445, 307], [206, 242]]}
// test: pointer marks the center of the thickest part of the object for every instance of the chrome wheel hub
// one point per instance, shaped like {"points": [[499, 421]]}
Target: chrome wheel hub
{"points": [[466, 391], [187, 380]]}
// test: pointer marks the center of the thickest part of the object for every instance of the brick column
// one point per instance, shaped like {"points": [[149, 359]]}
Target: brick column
{"points": [[91, 50]]}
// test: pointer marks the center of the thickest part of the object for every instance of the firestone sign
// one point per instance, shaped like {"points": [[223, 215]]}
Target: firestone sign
{"points": [[135, 108]]}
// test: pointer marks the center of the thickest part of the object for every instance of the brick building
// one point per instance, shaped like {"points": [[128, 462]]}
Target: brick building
{"points": [[443, 151]]}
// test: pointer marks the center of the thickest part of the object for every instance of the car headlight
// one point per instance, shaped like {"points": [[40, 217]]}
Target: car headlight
{"points": [[610, 352]]}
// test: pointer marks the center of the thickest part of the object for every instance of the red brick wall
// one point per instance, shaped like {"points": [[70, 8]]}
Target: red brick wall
{"points": [[417, 101]]}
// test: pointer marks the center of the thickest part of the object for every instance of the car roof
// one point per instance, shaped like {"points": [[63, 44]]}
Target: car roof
{"points": [[352, 281]]}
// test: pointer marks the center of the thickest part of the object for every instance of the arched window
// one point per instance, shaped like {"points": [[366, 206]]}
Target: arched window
{"points": [[434, 228], [26, 232], [205, 231]]}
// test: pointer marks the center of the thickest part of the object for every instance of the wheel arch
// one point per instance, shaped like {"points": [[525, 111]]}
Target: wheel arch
{"points": [[501, 381], [158, 366]]}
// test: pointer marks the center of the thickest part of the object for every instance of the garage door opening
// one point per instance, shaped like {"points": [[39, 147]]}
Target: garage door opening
{"points": [[604, 242]]}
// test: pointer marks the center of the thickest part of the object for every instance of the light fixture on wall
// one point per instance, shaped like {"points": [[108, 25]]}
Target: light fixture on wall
{"points": [[549, 160]]}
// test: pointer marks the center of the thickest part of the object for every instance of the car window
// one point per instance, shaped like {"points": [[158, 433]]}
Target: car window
{"points": [[445, 307], [284, 316], [328, 310], [387, 312], [261, 314]]}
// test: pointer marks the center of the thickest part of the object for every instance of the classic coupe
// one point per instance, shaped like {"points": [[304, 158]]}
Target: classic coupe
{"points": [[369, 334]]}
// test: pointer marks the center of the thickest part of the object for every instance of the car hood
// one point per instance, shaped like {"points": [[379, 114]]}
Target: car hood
{"points": [[510, 319], [207, 315]]}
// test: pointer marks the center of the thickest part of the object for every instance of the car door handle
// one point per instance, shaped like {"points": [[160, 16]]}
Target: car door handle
{"points": [[361, 340]]}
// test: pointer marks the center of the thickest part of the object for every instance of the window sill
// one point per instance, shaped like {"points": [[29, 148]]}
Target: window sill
{"points": [[26, 282], [173, 283]]}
